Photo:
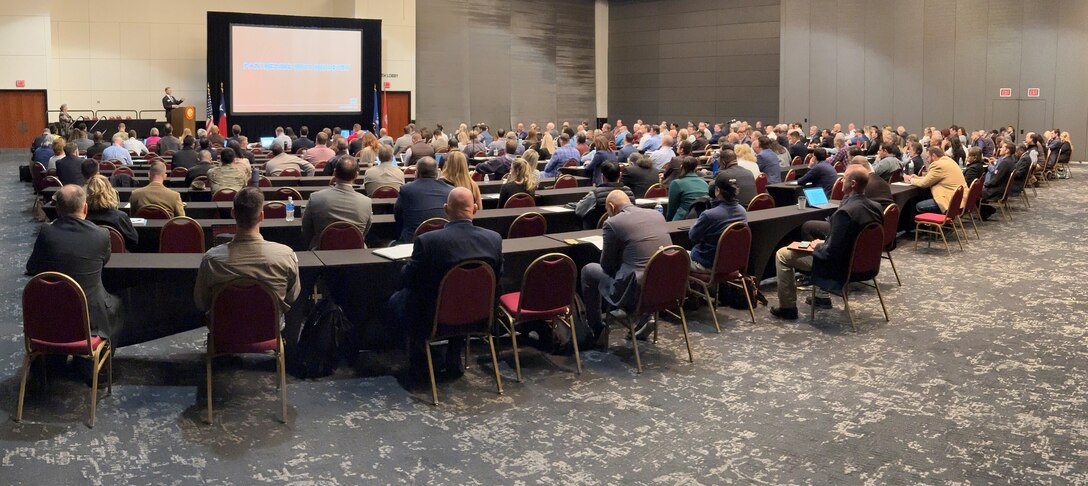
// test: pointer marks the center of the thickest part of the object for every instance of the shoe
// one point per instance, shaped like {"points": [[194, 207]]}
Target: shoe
{"points": [[821, 302], [645, 327], [601, 340], [803, 280], [789, 313]]}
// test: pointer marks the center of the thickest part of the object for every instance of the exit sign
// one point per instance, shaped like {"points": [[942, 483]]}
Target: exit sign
{"points": [[386, 84], [1033, 92], [19, 83], [1005, 92]]}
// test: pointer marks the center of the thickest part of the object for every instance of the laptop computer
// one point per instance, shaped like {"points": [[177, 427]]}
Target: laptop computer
{"points": [[266, 142], [345, 133], [816, 198]]}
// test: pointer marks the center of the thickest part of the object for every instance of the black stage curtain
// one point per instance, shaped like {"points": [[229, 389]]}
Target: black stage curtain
{"points": [[255, 126]]}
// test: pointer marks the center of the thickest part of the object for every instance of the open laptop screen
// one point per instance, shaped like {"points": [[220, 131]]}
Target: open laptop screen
{"points": [[815, 196]]}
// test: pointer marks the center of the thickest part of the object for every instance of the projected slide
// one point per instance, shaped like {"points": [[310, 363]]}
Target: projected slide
{"points": [[292, 70]]}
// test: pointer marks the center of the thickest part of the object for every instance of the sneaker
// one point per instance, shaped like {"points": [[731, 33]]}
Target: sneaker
{"points": [[789, 313], [645, 327], [821, 302]]}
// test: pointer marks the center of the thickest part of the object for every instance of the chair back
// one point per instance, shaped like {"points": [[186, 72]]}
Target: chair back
{"points": [[97, 157], [796, 160], [37, 175], [528, 225], [731, 256], [429, 225], [839, 167], [865, 259], [283, 193], [245, 317], [153, 148], [665, 280], [761, 184], [224, 195], [761, 201], [321, 165], [571, 163], [179, 172], [520, 200], [955, 204], [836, 189], [410, 170], [106, 166], [181, 235], [52, 181], [477, 177], [466, 296], [153, 211], [275, 210], [974, 196], [566, 181], [600, 222], [897, 176], [548, 283], [385, 192], [122, 169], [341, 235], [479, 155], [264, 182], [791, 175], [290, 172], [55, 312], [656, 190], [891, 226], [117, 242]]}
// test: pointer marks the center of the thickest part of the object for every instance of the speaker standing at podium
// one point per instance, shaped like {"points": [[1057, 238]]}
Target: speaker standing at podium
{"points": [[169, 102]]}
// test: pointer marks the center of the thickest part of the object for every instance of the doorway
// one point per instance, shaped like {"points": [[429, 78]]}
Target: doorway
{"points": [[399, 108], [1024, 115], [24, 117]]}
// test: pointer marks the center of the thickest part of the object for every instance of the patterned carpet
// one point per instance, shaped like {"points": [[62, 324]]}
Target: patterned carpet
{"points": [[979, 378]]}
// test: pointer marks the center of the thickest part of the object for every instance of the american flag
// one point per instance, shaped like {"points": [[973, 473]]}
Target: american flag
{"points": [[211, 114]]}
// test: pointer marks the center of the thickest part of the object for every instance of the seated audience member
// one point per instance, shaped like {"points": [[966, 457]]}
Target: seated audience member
{"points": [[631, 237], [188, 156], [340, 146], [384, 173], [200, 169], [337, 203], [601, 153], [767, 159], [841, 151], [70, 167], [455, 173], [98, 146], [156, 193], [168, 142], [42, 153], [282, 140], [797, 146], [708, 228], [133, 144], [498, 144], [439, 140], [746, 158], [282, 160], [820, 173], [497, 167], [522, 179], [829, 257], [419, 149], [594, 203], [403, 142], [562, 154], [303, 141], [943, 178], [420, 200], [664, 154], [652, 140], [742, 177], [639, 174], [45, 138], [216, 138], [914, 164], [627, 149], [886, 161], [685, 189], [117, 151], [102, 210], [319, 152], [974, 167], [82, 141], [232, 174], [89, 169], [248, 255], [877, 190], [581, 145], [994, 186], [368, 151], [384, 138], [79, 249], [1025, 156], [434, 254], [473, 146]]}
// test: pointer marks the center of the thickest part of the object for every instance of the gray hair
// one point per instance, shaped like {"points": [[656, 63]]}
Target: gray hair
{"points": [[70, 199]]}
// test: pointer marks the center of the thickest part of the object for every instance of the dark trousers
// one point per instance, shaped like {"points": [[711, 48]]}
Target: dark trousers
{"points": [[405, 311], [816, 230]]}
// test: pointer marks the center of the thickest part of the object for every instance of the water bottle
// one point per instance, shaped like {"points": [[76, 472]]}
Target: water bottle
{"points": [[255, 177], [660, 209], [487, 178], [290, 208]]}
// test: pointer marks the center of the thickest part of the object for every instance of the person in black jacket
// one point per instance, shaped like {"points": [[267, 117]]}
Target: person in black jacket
{"points": [[829, 258], [640, 174], [592, 206], [975, 167], [521, 179], [102, 210], [70, 168], [79, 249], [994, 186], [201, 168], [188, 156]]}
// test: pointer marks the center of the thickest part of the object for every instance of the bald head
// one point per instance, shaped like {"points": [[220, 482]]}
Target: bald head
{"points": [[459, 204], [861, 161], [71, 201], [855, 180], [616, 201]]}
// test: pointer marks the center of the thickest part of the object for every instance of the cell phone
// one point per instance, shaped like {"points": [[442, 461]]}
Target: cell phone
{"points": [[570, 241], [684, 228], [804, 244]]}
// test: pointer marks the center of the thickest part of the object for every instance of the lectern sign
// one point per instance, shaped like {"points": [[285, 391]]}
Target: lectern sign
{"points": [[1005, 92], [190, 113], [1033, 92]]}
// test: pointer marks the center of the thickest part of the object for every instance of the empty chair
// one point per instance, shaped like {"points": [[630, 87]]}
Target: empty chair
{"points": [[571, 163], [275, 210], [106, 166], [179, 172], [264, 181], [290, 172], [181, 235], [52, 181], [730, 267], [56, 321], [117, 242], [933, 223], [656, 190], [839, 167], [283, 193], [547, 294], [520, 200], [224, 195], [410, 170], [320, 165], [385, 192], [790, 176], [761, 201], [154, 211], [761, 184], [566, 181], [429, 225], [864, 266], [528, 225], [245, 319], [971, 205], [891, 227], [796, 160], [341, 235], [476, 176], [121, 169]]}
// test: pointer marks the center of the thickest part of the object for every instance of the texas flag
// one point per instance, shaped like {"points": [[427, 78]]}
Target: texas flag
{"points": [[222, 111]]}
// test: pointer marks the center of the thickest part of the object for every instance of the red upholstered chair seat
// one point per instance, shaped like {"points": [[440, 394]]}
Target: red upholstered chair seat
{"points": [[78, 348], [931, 218], [240, 348], [510, 303]]}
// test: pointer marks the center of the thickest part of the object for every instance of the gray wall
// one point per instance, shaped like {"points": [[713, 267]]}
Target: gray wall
{"points": [[923, 63], [686, 60], [500, 62]]}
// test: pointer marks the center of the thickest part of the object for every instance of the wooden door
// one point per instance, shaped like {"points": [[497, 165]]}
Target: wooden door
{"points": [[399, 108], [23, 118]]}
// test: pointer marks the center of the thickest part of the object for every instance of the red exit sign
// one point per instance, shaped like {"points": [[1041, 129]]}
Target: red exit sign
{"points": [[1033, 92], [1005, 92], [19, 83]]}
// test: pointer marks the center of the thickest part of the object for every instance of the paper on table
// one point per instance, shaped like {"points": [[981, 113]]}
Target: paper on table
{"points": [[651, 201], [596, 240], [138, 221], [900, 183], [125, 205], [489, 196], [555, 209], [398, 252]]}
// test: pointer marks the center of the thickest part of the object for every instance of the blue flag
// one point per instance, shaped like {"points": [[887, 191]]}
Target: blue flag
{"points": [[377, 123]]}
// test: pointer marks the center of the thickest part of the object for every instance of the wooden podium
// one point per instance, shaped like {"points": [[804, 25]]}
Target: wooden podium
{"points": [[181, 118]]}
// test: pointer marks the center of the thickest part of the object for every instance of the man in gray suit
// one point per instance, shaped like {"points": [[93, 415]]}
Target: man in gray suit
{"points": [[337, 203], [79, 249], [631, 236]]}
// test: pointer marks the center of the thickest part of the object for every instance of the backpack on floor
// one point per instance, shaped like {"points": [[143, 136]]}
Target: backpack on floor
{"points": [[325, 337], [733, 296]]}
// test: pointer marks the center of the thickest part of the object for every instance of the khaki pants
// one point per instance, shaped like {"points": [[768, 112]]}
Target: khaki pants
{"points": [[786, 261]]}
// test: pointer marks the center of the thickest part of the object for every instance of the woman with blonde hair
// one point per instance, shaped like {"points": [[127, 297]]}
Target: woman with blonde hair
{"points": [[746, 158], [102, 209], [547, 146], [532, 158], [462, 136], [455, 171], [58, 153], [522, 178], [369, 153]]}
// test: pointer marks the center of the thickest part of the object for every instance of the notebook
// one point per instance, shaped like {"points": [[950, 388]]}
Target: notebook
{"points": [[399, 252], [817, 198]]}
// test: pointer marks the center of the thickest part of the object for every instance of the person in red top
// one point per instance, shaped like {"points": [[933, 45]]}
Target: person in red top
{"points": [[356, 132]]}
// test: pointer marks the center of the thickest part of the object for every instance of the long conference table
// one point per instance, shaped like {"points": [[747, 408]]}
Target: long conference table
{"points": [[157, 289]]}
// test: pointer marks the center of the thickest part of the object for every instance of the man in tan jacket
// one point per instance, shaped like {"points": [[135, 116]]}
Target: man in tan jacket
{"points": [[943, 178], [156, 193]]}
